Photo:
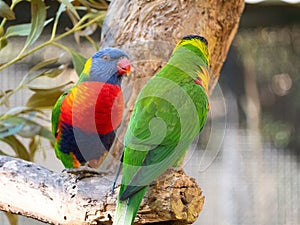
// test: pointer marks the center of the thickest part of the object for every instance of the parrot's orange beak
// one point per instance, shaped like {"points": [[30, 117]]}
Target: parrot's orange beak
{"points": [[123, 67]]}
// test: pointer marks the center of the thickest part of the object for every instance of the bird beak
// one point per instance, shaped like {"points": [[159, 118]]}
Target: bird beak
{"points": [[123, 66]]}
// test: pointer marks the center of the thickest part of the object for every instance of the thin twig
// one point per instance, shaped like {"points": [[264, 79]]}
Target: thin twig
{"points": [[79, 26]]}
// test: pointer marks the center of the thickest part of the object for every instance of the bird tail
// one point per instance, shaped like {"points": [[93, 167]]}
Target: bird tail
{"points": [[126, 210]]}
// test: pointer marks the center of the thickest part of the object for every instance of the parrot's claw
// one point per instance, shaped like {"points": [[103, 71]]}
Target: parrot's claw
{"points": [[83, 172]]}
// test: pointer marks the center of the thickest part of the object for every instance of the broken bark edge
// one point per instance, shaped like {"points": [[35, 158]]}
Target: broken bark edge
{"points": [[33, 191]]}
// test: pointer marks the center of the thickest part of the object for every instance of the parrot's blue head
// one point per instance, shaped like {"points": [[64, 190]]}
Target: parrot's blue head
{"points": [[109, 65]]}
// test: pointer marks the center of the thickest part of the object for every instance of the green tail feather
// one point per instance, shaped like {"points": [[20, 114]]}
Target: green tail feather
{"points": [[126, 210]]}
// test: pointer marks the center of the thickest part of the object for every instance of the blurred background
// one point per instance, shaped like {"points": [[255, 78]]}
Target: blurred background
{"points": [[247, 161]]}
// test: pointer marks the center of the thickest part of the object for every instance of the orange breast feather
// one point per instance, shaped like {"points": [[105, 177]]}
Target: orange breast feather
{"points": [[94, 107]]}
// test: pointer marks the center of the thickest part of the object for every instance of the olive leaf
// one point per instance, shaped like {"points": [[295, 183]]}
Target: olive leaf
{"points": [[21, 29], [17, 147], [78, 61], [49, 90], [3, 153], [12, 218], [40, 100], [6, 12], [33, 146], [43, 64], [10, 126], [38, 17], [70, 7]]}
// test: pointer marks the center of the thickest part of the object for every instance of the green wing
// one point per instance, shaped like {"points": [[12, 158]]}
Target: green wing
{"points": [[66, 158], [56, 112], [167, 116]]}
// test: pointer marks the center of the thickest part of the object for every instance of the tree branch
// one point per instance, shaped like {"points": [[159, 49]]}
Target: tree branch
{"points": [[61, 198]]}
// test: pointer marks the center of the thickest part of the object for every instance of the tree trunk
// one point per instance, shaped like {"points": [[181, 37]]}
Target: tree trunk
{"points": [[149, 30]]}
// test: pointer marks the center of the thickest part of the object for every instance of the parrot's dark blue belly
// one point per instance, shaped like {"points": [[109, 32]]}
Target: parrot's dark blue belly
{"points": [[85, 146]]}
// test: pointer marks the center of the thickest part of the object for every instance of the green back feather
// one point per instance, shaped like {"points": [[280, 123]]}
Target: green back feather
{"points": [[66, 159]]}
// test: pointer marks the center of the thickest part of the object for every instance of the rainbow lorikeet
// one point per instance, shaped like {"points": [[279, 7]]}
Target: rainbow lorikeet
{"points": [[169, 113], [85, 117]]}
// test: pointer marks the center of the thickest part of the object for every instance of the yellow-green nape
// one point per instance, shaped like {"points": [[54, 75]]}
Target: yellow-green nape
{"points": [[197, 42], [87, 66]]}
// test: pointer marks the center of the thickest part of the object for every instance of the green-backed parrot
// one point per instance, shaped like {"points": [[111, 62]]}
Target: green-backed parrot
{"points": [[85, 117], [170, 111]]}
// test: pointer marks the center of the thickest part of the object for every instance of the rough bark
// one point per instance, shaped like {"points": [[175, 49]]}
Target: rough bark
{"points": [[61, 198], [149, 30], [162, 23]]}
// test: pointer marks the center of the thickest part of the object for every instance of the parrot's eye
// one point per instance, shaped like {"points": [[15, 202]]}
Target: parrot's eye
{"points": [[106, 57]]}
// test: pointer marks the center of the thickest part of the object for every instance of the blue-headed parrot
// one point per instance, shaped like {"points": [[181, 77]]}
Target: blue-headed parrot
{"points": [[86, 116]]}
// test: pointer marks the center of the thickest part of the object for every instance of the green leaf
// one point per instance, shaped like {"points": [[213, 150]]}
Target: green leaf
{"points": [[59, 11], [70, 7], [16, 1], [38, 17], [4, 96], [3, 153], [18, 30], [29, 129], [32, 129], [44, 64], [31, 75], [21, 29], [17, 110], [12, 218], [6, 12], [42, 132], [51, 73], [55, 72], [3, 42], [34, 74], [33, 146], [94, 15], [78, 61], [11, 126], [25, 127], [46, 133], [42, 100], [4, 93], [49, 90], [17, 146]]}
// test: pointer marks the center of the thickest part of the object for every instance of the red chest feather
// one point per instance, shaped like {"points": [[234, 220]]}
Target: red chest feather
{"points": [[93, 107]]}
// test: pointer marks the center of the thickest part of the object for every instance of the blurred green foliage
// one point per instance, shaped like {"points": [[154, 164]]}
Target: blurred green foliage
{"points": [[28, 122], [276, 54]]}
